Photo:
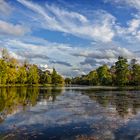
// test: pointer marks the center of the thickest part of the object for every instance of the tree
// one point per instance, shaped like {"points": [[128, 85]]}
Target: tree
{"points": [[135, 72], [67, 81], [3, 72], [104, 75], [12, 75], [45, 78], [56, 78], [13, 63], [93, 78], [59, 79], [48, 79], [22, 75], [32, 75], [113, 74], [122, 72], [13, 71]]}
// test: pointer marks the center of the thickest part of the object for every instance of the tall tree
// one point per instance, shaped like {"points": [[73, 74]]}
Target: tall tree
{"points": [[135, 72], [104, 75], [93, 78], [3, 72], [45, 78], [33, 76], [67, 81], [22, 75], [56, 78], [122, 72], [12, 75], [113, 74]]}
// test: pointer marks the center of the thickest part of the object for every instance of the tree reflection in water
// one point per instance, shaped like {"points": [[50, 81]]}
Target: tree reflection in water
{"points": [[14, 99], [124, 102], [39, 111]]}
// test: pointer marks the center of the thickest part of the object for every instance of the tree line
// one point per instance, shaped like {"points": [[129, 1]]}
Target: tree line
{"points": [[13, 71], [121, 73]]}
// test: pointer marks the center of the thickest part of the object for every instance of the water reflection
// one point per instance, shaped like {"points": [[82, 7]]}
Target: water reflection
{"points": [[68, 113], [124, 102], [13, 99]]}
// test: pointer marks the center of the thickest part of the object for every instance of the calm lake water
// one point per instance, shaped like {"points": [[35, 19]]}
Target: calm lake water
{"points": [[72, 113]]}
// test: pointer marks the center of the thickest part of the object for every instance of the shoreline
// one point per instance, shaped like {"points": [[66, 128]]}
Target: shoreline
{"points": [[75, 86]]}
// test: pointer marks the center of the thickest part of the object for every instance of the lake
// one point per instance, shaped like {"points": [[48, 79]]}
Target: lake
{"points": [[69, 113]]}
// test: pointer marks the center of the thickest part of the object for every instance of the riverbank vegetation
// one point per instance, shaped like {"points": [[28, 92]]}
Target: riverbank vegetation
{"points": [[14, 72], [121, 73]]}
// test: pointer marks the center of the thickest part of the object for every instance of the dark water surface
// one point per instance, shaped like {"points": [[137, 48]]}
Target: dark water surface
{"points": [[78, 113]]}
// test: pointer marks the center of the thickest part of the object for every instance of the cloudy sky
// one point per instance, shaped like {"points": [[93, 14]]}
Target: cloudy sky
{"points": [[74, 36]]}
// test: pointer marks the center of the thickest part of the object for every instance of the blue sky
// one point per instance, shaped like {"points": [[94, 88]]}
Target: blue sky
{"points": [[74, 36]]}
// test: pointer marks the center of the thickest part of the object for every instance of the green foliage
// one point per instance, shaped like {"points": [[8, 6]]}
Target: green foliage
{"points": [[104, 75], [14, 72], [56, 78], [13, 98], [136, 74], [3, 72], [12, 75], [22, 75], [120, 74], [45, 78], [48, 78], [93, 78], [33, 76], [68, 81]]}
